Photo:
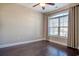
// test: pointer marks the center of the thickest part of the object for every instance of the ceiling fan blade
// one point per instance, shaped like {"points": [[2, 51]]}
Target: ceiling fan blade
{"points": [[51, 4], [36, 5]]}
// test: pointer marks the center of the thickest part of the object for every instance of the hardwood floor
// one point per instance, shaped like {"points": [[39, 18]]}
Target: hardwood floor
{"points": [[41, 48]]}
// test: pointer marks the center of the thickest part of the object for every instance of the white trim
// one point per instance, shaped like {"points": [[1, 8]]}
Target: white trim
{"points": [[19, 43], [58, 42]]}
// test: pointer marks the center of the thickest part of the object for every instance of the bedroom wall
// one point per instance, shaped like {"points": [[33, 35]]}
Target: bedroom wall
{"points": [[19, 24]]}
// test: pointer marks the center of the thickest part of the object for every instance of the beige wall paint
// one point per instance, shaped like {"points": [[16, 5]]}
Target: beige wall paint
{"points": [[45, 26], [19, 24], [58, 40]]}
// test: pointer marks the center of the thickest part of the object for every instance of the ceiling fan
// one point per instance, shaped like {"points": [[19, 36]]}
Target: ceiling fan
{"points": [[43, 5]]}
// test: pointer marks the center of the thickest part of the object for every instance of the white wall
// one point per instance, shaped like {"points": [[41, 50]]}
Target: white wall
{"points": [[19, 24]]}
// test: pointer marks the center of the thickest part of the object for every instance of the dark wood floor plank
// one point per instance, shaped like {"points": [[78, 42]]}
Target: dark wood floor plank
{"points": [[41, 48]]}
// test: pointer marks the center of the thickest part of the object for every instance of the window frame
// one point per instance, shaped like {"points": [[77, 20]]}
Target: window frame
{"points": [[58, 26]]}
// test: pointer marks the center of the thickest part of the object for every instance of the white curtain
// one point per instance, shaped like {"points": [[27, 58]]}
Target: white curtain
{"points": [[73, 27]]}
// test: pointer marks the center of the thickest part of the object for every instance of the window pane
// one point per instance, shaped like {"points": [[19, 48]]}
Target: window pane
{"points": [[64, 32], [52, 31], [64, 21], [53, 23]]}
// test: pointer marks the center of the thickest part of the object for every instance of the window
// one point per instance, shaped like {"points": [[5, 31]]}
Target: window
{"points": [[58, 25]]}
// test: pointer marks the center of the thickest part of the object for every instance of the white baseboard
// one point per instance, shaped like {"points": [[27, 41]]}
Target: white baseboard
{"points": [[19, 43], [58, 42]]}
